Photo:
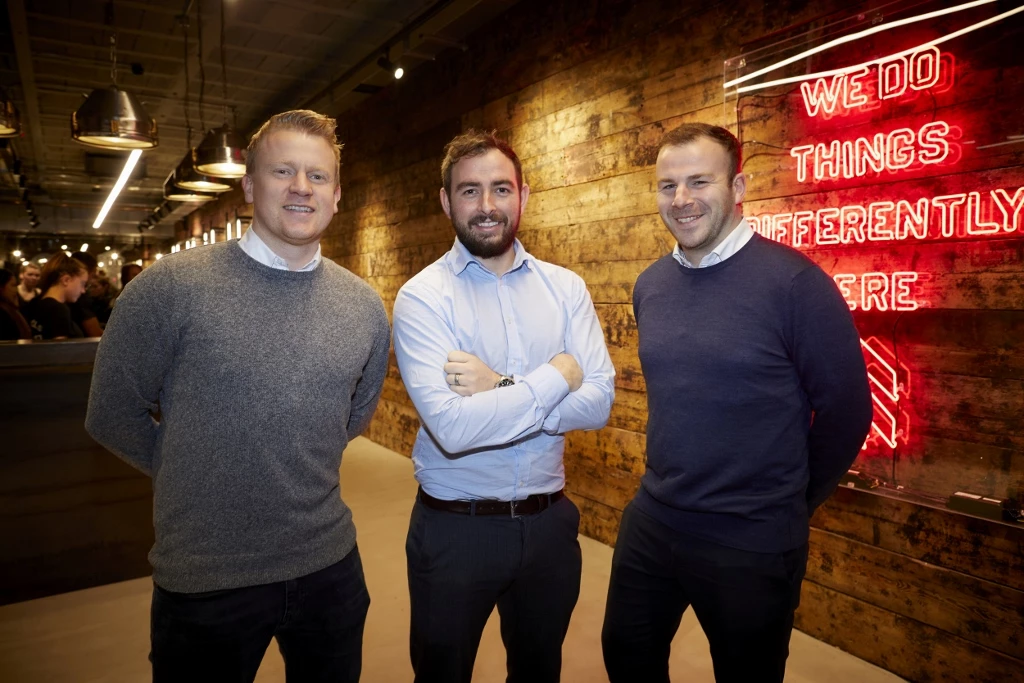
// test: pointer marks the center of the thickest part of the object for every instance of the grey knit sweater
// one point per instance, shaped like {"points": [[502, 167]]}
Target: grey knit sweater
{"points": [[260, 377]]}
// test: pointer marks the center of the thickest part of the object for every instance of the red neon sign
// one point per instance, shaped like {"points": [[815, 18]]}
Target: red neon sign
{"points": [[878, 291], [889, 380], [943, 217], [869, 85], [894, 151]]}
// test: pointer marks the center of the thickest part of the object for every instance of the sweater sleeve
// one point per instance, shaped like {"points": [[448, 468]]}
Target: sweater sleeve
{"points": [[830, 364], [134, 355], [368, 389]]}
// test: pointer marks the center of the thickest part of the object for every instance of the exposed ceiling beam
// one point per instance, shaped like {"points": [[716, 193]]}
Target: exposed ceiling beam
{"points": [[54, 19], [22, 50], [152, 56], [105, 66]]}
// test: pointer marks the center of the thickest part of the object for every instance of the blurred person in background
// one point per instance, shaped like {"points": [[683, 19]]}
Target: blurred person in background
{"points": [[82, 310], [100, 296], [28, 288], [12, 323], [62, 283]]}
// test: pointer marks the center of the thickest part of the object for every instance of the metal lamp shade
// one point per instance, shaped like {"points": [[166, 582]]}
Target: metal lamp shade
{"points": [[10, 121], [176, 194], [111, 118], [221, 154], [187, 177]]}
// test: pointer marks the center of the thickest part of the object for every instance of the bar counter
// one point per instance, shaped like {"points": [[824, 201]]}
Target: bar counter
{"points": [[72, 515]]}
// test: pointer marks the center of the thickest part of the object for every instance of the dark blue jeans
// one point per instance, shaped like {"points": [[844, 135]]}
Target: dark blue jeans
{"points": [[221, 636], [744, 601], [461, 566]]}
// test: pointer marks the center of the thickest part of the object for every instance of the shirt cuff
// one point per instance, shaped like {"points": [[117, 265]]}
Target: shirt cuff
{"points": [[547, 386]]}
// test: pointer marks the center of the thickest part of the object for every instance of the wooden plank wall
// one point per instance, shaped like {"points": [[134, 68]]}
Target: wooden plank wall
{"points": [[584, 90]]}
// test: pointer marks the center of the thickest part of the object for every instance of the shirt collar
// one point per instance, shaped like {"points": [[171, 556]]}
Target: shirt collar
{"points": [[459, 257], [740, 235], [257, 249]]}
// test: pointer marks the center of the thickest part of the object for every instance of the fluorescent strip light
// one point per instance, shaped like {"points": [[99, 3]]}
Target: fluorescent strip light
{"points": [[855, 67], [854, 36], [129, 166]]}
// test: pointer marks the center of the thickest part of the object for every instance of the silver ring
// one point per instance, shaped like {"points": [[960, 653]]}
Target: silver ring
{"points": [[456, 382]]}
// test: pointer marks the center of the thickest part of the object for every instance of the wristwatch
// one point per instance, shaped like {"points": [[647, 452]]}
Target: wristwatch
{"points": [[505, 381]]}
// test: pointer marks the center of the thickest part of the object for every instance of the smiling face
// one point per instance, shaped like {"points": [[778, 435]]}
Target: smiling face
{"points": [[698, 199], [485, 203], [293, 189]]}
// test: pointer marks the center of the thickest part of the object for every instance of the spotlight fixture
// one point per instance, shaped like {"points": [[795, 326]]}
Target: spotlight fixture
{"points": [[396, 69], [16, 253], [10, 120], [33, 223]]}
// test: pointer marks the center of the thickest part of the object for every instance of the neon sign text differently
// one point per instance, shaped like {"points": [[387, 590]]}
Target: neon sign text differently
{"points": [[965, 214]]}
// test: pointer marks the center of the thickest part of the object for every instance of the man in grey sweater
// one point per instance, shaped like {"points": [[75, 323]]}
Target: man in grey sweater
{"points": [[235, 375]]}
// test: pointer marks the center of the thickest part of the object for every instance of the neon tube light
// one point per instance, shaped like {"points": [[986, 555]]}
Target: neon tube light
{"points": [[880, 60], [856, 36], [129, 166]]}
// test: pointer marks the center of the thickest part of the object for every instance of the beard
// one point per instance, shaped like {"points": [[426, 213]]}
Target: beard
{"points": [[486, 247]]}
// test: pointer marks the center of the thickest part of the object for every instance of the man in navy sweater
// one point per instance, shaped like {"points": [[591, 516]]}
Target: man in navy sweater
{"points": [[758, 403]]}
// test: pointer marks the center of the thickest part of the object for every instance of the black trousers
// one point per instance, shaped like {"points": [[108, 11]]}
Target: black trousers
{"points": [[461, 566], [221, 636], [743, 600]]}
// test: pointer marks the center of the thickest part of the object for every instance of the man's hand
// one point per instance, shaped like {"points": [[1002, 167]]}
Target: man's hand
{"points": [[467, 375], [570, 370]]}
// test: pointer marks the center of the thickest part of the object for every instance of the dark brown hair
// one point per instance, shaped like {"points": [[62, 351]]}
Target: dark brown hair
{"points": [[689, 132], [57, 266], [302, 121], [473, 143]]}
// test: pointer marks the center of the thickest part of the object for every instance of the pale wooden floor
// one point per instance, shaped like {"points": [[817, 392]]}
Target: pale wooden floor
{"points": [[101, 634]]}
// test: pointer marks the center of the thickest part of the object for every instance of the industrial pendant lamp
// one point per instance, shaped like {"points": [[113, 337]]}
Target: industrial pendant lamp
{"points": [[175, 194], [111, 118], [222, 152], [185, 175], [10, 121]]}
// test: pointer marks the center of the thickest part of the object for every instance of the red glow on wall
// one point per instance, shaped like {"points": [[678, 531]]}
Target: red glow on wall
{"points": [[889, 381]]}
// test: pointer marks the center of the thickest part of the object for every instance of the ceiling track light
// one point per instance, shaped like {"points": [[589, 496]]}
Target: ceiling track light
{"points": [[393, 68]]}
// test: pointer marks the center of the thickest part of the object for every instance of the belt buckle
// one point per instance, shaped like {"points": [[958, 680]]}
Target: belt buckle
{"points": [[512, 509]]}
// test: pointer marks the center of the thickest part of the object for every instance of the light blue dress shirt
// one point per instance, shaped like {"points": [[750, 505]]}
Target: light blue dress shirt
{"points": [[505, 443]]}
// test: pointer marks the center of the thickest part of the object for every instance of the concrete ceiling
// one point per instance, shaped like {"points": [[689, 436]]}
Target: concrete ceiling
{"points": [[279, 54]]}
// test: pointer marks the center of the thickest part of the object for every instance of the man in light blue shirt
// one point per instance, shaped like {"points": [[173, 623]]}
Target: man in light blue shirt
{"points": [[501, 354]]}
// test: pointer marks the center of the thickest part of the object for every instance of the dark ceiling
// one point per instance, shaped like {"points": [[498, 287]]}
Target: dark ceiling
{"points": [[279, 54]]}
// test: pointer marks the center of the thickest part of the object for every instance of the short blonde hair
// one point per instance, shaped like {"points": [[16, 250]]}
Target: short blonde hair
{"points": [[303, 121]]}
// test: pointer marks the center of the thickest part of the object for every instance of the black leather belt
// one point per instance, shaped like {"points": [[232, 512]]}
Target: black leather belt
{"points": [[511, 508]]}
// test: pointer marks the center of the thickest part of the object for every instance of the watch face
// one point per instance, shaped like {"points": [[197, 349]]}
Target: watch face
{"points": [[505, 382]]}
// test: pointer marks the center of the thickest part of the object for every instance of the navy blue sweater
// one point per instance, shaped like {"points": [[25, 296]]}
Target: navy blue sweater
{"points": [[757, 395]]}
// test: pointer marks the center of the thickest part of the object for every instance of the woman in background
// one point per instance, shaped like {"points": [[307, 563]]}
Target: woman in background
{"points": [[62, 282], [12, 323]]}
